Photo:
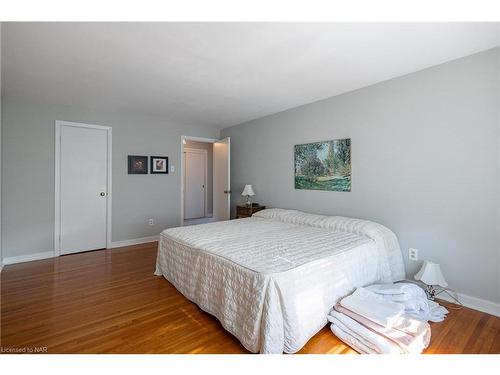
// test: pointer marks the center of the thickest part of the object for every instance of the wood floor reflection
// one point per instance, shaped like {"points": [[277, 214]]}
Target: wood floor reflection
{"points": [[109, 301]]}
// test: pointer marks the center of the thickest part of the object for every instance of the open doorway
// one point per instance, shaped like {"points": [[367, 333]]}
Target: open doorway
{"points": [[205, 192], [198, 182]]}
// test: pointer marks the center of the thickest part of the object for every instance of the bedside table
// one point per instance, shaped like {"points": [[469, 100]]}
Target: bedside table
{"points": [[242, 210]]}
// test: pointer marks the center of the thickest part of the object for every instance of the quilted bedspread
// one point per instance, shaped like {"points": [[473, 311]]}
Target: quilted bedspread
{"points": [[272, 279]]}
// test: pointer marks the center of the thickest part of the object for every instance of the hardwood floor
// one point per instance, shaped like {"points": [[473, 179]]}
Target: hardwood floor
{"points": [[109, 301]]}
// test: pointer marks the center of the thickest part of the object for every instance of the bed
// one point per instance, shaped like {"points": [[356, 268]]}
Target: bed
{"points": [[271, 279]]}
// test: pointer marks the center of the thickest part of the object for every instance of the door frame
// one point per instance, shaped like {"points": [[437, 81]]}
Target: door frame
{"points": [[196, 139], [228, 187], [57, 181], [205, 180]]}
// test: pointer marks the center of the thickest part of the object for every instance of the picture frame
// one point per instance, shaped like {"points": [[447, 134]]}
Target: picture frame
{"points": [[159, 164], [323, 165], [137, 164]]}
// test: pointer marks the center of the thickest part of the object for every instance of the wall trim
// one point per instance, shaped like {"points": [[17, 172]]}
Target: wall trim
{"points": [[474, 303], [134, 241], [28, 257]]}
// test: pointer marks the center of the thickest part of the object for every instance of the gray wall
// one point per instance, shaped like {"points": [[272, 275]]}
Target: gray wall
{"points": [[210, 181], [28, 172], [424, 162]]}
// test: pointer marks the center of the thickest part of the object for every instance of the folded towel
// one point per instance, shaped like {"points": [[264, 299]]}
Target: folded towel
{"points": [[413, 298], [407, 289], [373, 307], [363, 335], [412, 335]]}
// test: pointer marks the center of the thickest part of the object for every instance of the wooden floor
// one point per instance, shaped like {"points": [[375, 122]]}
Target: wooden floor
{"points": [[108, 301]]}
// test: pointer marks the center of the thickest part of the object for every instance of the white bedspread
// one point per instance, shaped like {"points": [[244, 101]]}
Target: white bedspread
{"points": [[272, 279]]}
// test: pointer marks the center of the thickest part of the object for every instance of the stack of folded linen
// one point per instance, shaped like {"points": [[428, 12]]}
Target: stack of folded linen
{"points": [[413, 298], [370, 323]]}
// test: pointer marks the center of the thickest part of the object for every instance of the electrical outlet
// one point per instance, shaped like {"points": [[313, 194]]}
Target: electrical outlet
{"points": [[413, 254], [151, 222]]}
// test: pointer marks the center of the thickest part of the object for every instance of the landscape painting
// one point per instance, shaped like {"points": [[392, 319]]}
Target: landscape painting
{"points": [[323, 165]]}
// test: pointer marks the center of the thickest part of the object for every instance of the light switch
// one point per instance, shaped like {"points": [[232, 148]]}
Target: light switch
{"points": [[172, 168]]}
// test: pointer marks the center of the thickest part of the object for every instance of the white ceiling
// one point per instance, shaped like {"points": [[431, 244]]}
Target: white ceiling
{"points": [[221, 74]]}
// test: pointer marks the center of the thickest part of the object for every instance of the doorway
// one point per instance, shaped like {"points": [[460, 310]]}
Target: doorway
{"points": [[82, 187], [196, 177], [205, 193]]}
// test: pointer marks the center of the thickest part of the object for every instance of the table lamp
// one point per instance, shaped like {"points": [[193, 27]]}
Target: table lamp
{"points": [[248, 192], [431, 275]]}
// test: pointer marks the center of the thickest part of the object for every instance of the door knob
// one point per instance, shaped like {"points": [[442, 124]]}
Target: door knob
{"points": [[102, 193], [227, 191]]}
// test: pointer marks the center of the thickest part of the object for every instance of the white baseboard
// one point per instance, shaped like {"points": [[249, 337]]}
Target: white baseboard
{"points": [[475, 303], [134, 241], [28, 257]]}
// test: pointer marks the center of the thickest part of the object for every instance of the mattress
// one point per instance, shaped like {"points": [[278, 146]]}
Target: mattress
{"points": [[272, 279]]}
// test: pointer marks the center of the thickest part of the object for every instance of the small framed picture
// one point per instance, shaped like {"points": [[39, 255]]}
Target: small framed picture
{"points": [[137, 164], [159, 164]]}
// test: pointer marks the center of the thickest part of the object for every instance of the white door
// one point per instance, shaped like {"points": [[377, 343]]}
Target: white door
{"points": [[222, 186], [83, 194], [195, 176]]}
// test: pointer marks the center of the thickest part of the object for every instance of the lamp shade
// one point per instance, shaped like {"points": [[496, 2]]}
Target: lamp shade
{"points": [[248, 190], [431, 274]]}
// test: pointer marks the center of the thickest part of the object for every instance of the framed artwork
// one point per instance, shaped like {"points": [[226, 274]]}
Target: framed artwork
{"points": [[323, 165], [159, 164], [137, 164]]}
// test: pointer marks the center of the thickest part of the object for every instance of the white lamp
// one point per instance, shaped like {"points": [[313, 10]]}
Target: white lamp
{"points": [[248, 192], [430, 274]]}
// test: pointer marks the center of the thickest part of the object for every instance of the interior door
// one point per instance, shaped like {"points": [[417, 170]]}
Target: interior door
{"points": [[222, 182], [195, 173], [83, 184]]}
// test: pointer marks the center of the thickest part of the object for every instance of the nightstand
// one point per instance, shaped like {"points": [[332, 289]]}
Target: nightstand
{"points": [[242, 210]]}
